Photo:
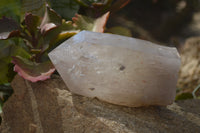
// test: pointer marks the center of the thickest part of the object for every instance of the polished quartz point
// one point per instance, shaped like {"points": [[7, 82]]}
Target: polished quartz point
{"points": [[118, 69]]}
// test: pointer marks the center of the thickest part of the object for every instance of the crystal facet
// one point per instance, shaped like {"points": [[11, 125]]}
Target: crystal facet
{"points": [[117, 69]]}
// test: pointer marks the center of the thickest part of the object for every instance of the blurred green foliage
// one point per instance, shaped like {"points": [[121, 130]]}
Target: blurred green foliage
{"points": [[65, 8], [184, 96], [36, 7], [10, 8], [5, 92]]}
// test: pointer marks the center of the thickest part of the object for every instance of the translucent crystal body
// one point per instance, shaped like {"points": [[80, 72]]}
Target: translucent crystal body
{"points": [[117, 69]]}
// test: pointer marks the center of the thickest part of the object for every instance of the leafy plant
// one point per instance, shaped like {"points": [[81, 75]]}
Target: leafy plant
{"points": [[41, 34], [25, 41]]}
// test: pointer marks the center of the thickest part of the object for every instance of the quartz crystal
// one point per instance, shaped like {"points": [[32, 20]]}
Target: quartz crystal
{"points": [[118, 69]]}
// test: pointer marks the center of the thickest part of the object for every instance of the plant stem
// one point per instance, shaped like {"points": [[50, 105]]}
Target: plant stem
{"points": [[194, 91]]}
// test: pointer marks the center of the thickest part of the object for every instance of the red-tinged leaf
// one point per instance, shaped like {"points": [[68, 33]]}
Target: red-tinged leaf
{"points": [[67, 30], [58, 34], [90, 24], [51, 20], [100, 23], [33, 71], [48, 27], [32, 22], [49, 36], [8, 28]]}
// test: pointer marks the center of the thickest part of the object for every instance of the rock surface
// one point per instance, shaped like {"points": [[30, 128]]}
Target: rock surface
{"points": [[190, 67], [48, 107], [118, 69]]}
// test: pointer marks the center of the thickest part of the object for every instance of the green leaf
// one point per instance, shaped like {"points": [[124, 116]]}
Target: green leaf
{"points": [[9, 48], [66, 8], [3, 71], [91, 24], [33, 71], [61, 32], [51, 20], [82, 3], [119, 31], [36, 7], [56, 35], [6, 48], [8, 28], [63, 36], [32, 22], [52, 30]]}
